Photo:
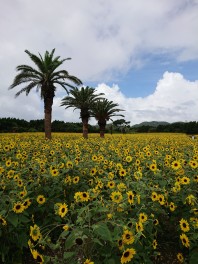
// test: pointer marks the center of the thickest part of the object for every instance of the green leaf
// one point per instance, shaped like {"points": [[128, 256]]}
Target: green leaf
{"points": [[70, 241], [13, 219], [102, 231], [24, 219], [194, 257], [68, 255], [96, 240]]}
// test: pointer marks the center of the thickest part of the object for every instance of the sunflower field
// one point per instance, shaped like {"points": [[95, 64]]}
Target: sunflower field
{"points": [[123, 199]]}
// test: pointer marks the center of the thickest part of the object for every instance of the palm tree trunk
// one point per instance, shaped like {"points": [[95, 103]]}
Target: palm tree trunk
{"points": [[102, 131], [85, 127], [48, 102], [102, 125]]}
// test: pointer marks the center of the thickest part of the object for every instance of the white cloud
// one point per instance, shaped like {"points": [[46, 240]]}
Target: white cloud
{"points": [[174, 99], [104, 38]]}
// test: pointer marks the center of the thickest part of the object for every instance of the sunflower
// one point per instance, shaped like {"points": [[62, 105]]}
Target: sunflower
{"points": [[185, 180], [66, 227], [41, 199], [190, 199], [35, 232], [52, 152], [184, 225], [111, 175], [84, 196], [76, 179], [77, 197], [26, 203], [120, 244], [10, 174], [121, 187], [54, 172], [139, 227], [127, 255], [176, 165], [143, 217], [1, 170], [128, 237], [18, 207], [185, 240], [68, 179], [137, 162], [23, 194], [20, 183], [88, 261], [196, 178], [2, 221], [194, 221], [116, 197], [153, 167], [155, 222], [161, 199], [154, 243], [148, 154], [154, 196], [38, 257], [130, 195], [180, 257], [111, 184], [69, 164], [119, 166], [193, 164], [122, 172], [138, 174], [138, 196], [128, 159], [109, 216], [8, 163], [62, 210], [93, 171], [172, 206]]}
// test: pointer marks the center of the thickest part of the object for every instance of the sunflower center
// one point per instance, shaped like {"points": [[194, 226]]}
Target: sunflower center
{"points": [[126, 254]]}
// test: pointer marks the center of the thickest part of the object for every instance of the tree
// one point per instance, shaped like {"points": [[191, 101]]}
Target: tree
{"points": [[103, 110], [82, 99], [44, 78]]}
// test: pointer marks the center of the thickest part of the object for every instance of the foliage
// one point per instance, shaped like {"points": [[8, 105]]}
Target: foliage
{"points": [[82, 99], [45, 78], [126, 198], [103, 110]]}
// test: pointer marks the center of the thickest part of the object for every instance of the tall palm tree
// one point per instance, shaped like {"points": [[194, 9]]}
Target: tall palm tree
{"points": [[45, 78], [82, 99], [103, 110]]}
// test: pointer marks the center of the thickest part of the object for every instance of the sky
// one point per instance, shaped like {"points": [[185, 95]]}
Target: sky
{"points": [[142, 54]]}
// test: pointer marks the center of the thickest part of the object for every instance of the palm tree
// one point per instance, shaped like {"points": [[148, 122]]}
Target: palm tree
{"points": [[103, 110], [82, 99], [44, 78]]}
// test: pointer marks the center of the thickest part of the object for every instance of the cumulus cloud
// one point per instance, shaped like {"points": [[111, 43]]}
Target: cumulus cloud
{"points": [[174, 99], [102, 37], [105, 39]]}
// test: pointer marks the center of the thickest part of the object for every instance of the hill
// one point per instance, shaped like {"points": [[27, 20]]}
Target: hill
{"points": [[151, 124]]}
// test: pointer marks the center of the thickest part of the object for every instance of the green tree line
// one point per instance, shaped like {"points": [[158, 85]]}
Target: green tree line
{"points": [[14, 125], [177, 127]]}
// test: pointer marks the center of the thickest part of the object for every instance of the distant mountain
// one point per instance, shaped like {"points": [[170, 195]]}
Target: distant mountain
{"points": [[151, 124]]}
